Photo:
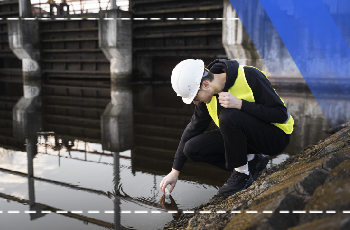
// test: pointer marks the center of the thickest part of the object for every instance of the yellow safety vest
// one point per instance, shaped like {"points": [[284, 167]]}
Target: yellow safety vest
{"points": [[241, 90]]}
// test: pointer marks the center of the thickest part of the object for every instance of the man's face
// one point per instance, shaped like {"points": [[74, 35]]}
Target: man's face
{"points": [[205, 94]]}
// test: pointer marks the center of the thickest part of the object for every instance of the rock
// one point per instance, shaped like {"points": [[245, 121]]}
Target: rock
{"points": [[330, 196], [281, 189], [335, 160], [305, 183], [334, 222], [345, 151], [336, 129], [340, 172], [345, 224], [283, 221], [313, 180], [269, 221]]}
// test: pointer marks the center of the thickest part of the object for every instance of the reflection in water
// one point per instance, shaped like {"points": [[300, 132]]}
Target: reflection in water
{"points": [[31, 153], [26, 124], [101, 146], [172, 207]]}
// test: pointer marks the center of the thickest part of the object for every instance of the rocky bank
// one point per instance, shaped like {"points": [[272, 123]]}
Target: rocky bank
{"points": [[311, 190]]}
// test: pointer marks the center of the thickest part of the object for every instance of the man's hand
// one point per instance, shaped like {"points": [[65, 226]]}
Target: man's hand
{"points": [[171, 179], [227, 100]]}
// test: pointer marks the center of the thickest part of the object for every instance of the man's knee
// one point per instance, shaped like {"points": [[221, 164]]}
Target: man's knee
{"points": [[190, 150], [231, 116]]}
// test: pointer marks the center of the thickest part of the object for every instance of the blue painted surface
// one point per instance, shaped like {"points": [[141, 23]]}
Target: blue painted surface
{"points": [[316, 34]]}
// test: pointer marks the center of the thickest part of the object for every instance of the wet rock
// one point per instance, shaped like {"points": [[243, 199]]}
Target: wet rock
{"points": [[313, 180], [335, 160], [292, 181], [281, 189], [335, 146], [345, 224], [332, 196], [340, 172], [280, 220], [336, 129], [345, 151], [334, 222], [269, 221]]}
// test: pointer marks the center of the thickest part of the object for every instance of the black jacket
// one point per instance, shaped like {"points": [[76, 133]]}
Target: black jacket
{"points": [[267, 107]]}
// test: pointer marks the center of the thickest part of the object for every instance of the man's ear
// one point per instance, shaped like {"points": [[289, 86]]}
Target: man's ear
{"points": [[205, 84]]}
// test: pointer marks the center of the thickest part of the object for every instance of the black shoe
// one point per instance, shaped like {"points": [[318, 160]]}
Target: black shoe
{"points": [[237, 182], [257, 165]]}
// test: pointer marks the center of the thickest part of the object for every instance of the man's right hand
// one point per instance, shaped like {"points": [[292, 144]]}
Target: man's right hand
{"points": [[171, 179]]}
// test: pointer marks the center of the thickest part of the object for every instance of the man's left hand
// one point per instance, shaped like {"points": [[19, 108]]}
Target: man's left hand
{"points": [[227, 100]]}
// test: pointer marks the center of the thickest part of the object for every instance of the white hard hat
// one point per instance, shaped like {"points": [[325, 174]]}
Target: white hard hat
{"points": [[186, 78]]}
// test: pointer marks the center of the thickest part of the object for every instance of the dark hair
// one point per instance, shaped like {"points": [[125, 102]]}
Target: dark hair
{"points": [[209, 77]]}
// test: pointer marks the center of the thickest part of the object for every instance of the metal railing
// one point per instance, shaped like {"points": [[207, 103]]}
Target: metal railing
{"points": [[41, 8]]}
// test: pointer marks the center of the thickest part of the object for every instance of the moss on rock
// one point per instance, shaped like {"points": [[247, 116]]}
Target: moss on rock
{"points": [[340, 172], [333, 222]]}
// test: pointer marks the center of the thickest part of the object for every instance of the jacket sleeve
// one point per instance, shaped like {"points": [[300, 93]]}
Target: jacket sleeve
{"points": [[268, 105], [199, 123]]}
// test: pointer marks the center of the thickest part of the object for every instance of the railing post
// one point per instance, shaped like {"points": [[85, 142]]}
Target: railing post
{"points": [[114, 4], [25, 9]]}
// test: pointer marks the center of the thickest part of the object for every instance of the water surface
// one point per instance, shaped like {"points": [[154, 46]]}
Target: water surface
{"points": [[72, 155]]}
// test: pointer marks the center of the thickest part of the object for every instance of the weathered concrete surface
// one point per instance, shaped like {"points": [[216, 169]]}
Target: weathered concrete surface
{"points": [[236, 40], [315, 179], [239, 46], [115, 40], [24, 42]]}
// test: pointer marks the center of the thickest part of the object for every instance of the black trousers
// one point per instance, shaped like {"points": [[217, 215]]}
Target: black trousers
{"points": [[239, 134]]}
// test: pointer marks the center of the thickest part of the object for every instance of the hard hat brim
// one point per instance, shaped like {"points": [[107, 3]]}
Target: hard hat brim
{"points": [[188, 100]]}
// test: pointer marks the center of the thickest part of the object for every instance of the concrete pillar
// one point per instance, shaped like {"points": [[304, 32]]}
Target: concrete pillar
{"points": [[24, 42], [25, 9], [115, 40], [117, 120], [239, 46], [236, 40], [27, 111]]}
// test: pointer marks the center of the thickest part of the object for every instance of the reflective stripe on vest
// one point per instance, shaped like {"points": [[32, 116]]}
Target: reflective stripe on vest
{"points": [[241, 90]]}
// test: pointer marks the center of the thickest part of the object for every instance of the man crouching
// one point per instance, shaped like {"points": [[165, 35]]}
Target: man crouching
{"points": [[253, 121]]}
